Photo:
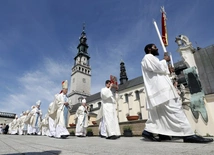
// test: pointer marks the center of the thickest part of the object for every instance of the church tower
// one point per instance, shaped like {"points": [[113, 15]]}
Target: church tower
{"points": [[81, 72], [123, 76]]}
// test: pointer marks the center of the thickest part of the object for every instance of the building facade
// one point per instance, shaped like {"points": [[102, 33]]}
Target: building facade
{"points": [[6, 117]]}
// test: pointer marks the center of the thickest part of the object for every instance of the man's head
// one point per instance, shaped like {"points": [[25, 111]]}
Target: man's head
{"points": [[38, 103], [65, 91], [151, 49], [108, 83], [65, 87], [84, 102]]}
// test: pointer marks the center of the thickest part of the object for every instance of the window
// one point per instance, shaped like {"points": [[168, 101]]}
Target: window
{"points": [[137, 95], [91, 107], [80, 99], [127, 98], [99, 104]]}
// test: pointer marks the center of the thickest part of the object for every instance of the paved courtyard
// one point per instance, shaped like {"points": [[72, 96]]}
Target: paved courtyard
{"points": [[33, 145]]}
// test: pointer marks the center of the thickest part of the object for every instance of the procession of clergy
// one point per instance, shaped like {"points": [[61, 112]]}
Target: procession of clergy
{"points": [[166, 117], [55, 121]]}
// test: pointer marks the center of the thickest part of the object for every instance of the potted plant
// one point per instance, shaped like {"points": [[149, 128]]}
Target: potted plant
{"points": [[72, 125], [132, 117], [89, 132], [94, 122], [72, 133], [127, 131]]}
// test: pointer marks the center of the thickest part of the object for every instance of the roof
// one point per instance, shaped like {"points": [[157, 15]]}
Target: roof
{"points": [[93, 97], [75, 107], [131, 83], [128, 84], [7, 115]]}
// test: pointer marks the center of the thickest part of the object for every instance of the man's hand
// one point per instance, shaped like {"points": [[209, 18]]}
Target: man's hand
{"points": [[167, 58], [171, 69], [66, 103]]}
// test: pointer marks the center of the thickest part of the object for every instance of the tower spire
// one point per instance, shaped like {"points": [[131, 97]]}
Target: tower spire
{"points": [[123, 75], [83, 46]]}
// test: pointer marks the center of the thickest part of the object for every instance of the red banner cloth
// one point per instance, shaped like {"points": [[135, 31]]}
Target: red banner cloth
{"points": [[164, 30]]}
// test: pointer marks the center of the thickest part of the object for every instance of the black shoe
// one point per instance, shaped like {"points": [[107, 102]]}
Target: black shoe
{"points": [[149, 135], [164, 137], [196, 139], [80, 136], [112, 137], [64, 136]]}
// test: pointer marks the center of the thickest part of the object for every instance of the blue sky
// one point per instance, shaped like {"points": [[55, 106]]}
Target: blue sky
{"points": [[38, 41]]}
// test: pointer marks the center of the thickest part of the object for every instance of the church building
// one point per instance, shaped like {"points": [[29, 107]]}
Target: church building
{"points": [[132, 99]]}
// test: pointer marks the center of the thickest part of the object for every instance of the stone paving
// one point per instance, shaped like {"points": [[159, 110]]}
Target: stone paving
{"points": [[42, 145]]}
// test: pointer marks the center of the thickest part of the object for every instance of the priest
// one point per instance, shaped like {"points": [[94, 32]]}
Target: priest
{"points": [[36, 119], [82, 119], [109, 114], [166, 117], [62, 113]]}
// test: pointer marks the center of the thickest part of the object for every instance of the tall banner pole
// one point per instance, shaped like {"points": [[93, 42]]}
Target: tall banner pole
{"points": [[164, 32], [164, 38], [161, 41]]}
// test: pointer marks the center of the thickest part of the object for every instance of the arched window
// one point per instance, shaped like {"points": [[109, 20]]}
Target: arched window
{"points": [[80, 99], [91, 107], [126, 98], [99, 104], [137, 95]]}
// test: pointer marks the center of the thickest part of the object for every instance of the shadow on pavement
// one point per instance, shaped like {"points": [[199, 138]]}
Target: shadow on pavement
{"points": [[51, 152]]}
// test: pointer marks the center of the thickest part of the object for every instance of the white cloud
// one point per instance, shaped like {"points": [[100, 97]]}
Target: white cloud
{"points": [[40, 84]]}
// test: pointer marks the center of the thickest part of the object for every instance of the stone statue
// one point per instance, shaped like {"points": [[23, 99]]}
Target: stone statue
{"points": [[191, 75]]}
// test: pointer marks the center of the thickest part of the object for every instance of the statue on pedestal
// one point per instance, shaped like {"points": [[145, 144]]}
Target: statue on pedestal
{"points": [[191, 75]]}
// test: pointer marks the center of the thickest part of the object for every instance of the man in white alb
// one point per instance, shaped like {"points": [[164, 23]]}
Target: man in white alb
{"points": [[109, 114], [165, 114]]}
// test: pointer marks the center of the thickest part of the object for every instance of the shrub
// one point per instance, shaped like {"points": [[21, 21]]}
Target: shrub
{"points": [[89, 130], [127, 128], [72, 132]]}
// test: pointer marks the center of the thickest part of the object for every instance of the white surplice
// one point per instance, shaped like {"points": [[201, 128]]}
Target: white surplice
{"points": [[14, 126], [21, 124], [51, 128], [52, 112], [82, 121], [27, 122], [166, 115], [61, 123], [34, 121], [109, 114], [44, 125]]}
